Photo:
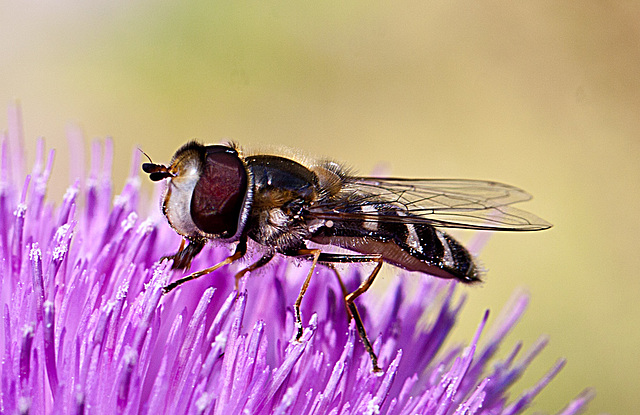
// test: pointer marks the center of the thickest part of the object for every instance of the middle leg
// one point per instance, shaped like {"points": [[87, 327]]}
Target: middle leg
{"points": [[264, 260], [350, 297], [296, 307]]}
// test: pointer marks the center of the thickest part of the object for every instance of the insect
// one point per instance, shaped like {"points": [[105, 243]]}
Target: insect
{"points": [[215, 192]]}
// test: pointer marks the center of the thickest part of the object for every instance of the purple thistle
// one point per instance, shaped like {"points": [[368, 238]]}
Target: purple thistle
{"points": [[87, 329]]}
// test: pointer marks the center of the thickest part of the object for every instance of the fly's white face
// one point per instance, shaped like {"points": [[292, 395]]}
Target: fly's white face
{"points": [[177, 197]]}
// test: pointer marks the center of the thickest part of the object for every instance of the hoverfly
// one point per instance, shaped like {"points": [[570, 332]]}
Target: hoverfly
{"points": [[215, 192]]}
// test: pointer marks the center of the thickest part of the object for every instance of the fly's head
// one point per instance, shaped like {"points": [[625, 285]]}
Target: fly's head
{"points": [[207, 194]]}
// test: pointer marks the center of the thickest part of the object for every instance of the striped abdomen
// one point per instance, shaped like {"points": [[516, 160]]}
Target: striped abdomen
{"points": [[414, 247]]}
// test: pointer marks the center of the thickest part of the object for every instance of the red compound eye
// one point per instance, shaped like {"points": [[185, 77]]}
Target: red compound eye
{"points": [[216, 203]]}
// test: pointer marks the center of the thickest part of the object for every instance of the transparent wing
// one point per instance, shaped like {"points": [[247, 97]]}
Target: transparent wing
{"points": [[452, 203]]}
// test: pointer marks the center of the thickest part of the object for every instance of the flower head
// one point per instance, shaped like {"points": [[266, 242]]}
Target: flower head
{"points": [[86, 327]]}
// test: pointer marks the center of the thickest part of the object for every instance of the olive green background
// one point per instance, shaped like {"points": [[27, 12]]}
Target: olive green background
{"points": [[544, 95]]}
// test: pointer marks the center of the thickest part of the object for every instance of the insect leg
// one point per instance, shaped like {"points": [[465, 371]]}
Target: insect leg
{"points": [[296, 307], [349, 298], [176, 257], [335, 271], [259, 263], [241, 249], [182, 259]]}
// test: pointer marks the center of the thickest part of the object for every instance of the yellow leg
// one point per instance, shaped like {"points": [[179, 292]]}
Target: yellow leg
{"points": [[296, 307], [353, 310], [349, 298], [241, 249], [259, 263]]}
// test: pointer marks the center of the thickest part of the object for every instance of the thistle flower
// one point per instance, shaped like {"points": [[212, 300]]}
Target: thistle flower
{"points": [[86, 327]]}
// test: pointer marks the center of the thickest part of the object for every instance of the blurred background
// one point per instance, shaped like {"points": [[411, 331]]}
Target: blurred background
{"points": [[543, 95]]}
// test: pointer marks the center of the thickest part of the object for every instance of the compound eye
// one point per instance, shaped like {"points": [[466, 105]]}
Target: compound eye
{"points": [[216, 204]]}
